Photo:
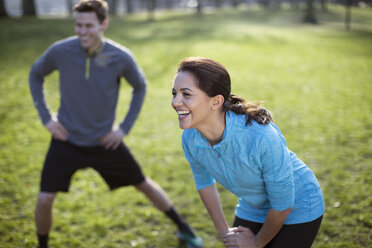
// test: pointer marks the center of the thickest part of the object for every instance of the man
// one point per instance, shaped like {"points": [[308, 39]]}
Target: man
{"points": [[90, 67]]}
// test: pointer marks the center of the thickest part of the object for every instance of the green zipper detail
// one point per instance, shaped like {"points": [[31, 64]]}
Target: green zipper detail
{"points": [[87, 67]]}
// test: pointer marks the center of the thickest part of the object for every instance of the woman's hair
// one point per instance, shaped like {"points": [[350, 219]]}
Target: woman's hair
{"points": [[100, 7], [212, 78]]}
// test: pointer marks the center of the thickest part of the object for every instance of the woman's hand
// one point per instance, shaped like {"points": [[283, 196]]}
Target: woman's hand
{"points": [[228, 231], [240, 237]]}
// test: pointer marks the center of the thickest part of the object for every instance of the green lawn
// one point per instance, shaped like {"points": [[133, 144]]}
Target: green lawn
{"points": [[317, 81]]}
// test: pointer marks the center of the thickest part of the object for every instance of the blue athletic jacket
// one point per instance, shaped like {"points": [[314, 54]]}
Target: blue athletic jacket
{"points": [[254, 163]]}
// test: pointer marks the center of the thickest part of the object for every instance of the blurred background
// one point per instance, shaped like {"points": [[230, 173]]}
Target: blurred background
{"points": [[61, 8], [310, 62]]}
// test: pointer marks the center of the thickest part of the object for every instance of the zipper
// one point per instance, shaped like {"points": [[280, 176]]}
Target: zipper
{"points": [[225, 168], [87, 67]]}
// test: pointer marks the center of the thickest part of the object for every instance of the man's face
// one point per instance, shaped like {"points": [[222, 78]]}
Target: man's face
{"points": [[89, 30]]}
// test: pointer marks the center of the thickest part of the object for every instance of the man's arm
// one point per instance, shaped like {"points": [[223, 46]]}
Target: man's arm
{"points": [[57, 130], [41, 68], [135, 77]]}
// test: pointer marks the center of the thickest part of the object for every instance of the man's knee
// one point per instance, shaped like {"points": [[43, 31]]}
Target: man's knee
{"points": [[148, 186], [45, 199], [143, 186]]}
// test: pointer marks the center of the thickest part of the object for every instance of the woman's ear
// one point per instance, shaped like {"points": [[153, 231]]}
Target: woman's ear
{"points": [[217, 102]]}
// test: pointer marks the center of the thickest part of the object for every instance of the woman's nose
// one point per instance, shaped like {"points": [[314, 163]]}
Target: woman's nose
{"points": [[176, 101]]}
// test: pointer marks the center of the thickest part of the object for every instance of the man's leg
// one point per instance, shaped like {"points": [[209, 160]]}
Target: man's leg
{"points": [[119, 168], [43, 217], [155, 194], [161, 201]]}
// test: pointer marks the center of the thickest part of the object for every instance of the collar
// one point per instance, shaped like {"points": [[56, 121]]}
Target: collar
{"points": [[103, 42]]}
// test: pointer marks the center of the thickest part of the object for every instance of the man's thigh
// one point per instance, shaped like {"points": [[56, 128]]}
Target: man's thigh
{"points": [[61, 162], [118, 167]]}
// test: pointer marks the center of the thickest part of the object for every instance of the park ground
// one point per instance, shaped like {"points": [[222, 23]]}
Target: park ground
{"points": [[316, 79]]}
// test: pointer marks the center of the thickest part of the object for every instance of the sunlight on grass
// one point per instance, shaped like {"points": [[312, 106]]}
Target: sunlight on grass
{"points": [[315, 79]]}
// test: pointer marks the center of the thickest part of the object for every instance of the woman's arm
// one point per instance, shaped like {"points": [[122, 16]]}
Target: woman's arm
{"points": [[243, 237], [273, 223], [212, 203]]}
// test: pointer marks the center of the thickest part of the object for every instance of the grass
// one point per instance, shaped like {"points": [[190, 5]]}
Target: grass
{"points": [[316, 80]]}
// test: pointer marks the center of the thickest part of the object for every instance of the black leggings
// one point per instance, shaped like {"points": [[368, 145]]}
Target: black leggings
{"points": [[290, 236]]}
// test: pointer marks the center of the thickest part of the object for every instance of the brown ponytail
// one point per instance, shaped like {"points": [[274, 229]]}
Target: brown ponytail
{"points": [[251, 110], [213, 79]]}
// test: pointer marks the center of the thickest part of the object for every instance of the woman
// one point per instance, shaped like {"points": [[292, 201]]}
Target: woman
{"points": [[235, 143]]}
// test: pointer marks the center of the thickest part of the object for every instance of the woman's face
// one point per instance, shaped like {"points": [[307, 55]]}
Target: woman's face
{"points": [[192, 105]]}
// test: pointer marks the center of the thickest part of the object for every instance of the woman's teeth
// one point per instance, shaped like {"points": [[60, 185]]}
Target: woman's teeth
{"points": [[183, 113]]}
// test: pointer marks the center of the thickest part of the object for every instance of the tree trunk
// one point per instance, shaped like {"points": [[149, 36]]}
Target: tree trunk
{"points": [[348, 14], [199, 7], [265, 3], [218, 3], [235, 3], [28, 7], [129, 6], [310, 12], [113, 4], [150, 5], [70, 6], [294, 4], [169, 4], [323, 4], [2, 9]]}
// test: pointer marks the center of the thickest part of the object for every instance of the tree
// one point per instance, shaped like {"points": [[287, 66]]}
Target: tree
{"points": [[70, 6], [199, 6], [294, 4], [150, 6], [169, 4], [129, 6], [2, 9], [113, 4], [323, 3], [310, 12], [218, 3], [235, 3], [28, 7], [265, 3], [348, 14]]}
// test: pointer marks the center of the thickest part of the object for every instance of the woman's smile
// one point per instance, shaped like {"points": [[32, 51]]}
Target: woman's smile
{"points": [[192, 105]]}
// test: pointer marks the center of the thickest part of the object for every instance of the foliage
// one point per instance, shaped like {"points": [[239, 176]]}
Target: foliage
{"points": [[316, 80]]}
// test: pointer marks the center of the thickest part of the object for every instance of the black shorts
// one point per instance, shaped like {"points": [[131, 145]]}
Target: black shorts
{"points": [[118, 168], [290, 236]]}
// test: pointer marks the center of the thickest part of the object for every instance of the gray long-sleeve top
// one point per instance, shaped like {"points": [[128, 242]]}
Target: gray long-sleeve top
{"points": [[89, 88]]}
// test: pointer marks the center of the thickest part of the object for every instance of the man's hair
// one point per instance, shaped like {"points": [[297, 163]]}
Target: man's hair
{"points": [[100, 7]]}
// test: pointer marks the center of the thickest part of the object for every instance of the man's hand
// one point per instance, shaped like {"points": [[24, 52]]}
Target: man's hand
{"points": [[240, 237], [57, 130], [112, 139]]}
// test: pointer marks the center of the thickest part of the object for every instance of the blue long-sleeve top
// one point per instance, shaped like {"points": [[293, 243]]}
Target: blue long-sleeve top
{"points": [[253, 162], [89, 88]]}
